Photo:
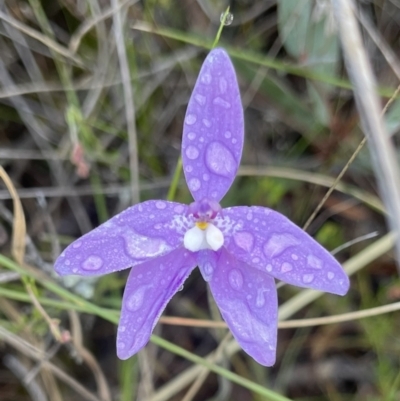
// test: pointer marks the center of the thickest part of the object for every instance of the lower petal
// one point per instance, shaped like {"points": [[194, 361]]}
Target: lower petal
{"points": [[248, 303], [149, 287]]}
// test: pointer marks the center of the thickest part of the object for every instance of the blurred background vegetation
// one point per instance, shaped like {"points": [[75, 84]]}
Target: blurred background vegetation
{"points": [[92, 99]]}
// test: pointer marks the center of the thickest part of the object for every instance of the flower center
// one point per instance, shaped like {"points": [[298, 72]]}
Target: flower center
{"points": [[204, 234]]}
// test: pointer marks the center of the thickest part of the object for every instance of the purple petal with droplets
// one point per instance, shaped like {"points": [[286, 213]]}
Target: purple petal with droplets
{"points": [[149, 288], [139, 233], [248, 303], [269, 241], [213, 130]]}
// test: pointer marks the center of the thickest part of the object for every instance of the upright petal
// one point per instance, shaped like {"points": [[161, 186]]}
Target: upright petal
{"points": [[149, 288], [267, 240], [139, 233], [248, 303], [213, 130]]}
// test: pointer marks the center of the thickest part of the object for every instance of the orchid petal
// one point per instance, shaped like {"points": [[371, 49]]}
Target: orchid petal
{"points": [[139, 233], [248, 303], [213, 132], [270, 242], [149, 288]]}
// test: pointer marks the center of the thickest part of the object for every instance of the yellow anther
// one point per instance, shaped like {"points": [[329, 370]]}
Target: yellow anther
{"points": [[202, 225]]}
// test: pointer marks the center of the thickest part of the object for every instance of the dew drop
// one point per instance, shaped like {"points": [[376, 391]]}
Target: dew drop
{"points": [[189, 169], [208, 271], [220, 160], [294, 256], [194, 184], [161, 205], [205, 78], [77, 244], [308, 278], [244, 240], [255, 260], [269, 268], [92, 263], [75, 270], [278, 243], [331, 275], [286, 267], [179, 209], [223, 85], [260, 300], [191, 135], [207, 123], [67, 262], [249, 216], [227, 134], [161, 267], [314, 262], [228, 18], [206, 177], [122, 329], [121, 345], [235, 278], [192, 152], [218, 101], [135, 300], [200, 99], [190, 119]]}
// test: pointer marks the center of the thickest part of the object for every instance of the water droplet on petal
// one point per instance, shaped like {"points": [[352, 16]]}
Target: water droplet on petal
{"points": [[314, 262], [255, 260], [286, 267], [190, 119], [179, 209], [67, 262], [235, 278], [260, 301], [121, 345], [220, 160], [77, 244], [189, 169], [208, 271], [295, 257], [192, 152], [92, 263], [218, 101], [308, 278], [269, 268], [278, 243], [191, 135], [228, 134], [135, 300], [222, 85], [249, 216], [207, 123], [244, 240], [122, 329], [161, 205], [139, 246], [205, 78], [331, 275], [228, 18], [206, 177], [201, 100], [194, 184]]}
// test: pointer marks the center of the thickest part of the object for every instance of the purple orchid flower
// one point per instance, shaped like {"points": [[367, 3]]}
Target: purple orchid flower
{"points": [[239, 250]]}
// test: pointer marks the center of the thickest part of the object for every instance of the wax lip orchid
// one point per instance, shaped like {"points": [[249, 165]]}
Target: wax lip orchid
{"points": [[239, 250]]}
